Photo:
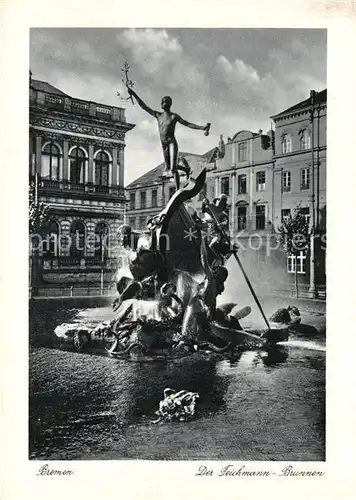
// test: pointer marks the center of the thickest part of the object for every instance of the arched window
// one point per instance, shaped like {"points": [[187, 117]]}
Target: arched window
{"points": [[102, 241], [77, 234], [102, 164], [305, 140], [286, 143], [51, 242], [77, 162], [51, 156]]}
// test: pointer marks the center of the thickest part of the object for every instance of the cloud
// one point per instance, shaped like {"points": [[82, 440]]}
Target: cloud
{"points": [[262, 95], [161, 57], [238, 70]]}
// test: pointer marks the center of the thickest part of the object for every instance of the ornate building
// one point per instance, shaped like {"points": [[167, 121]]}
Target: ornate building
{"points": [[77, 163]]}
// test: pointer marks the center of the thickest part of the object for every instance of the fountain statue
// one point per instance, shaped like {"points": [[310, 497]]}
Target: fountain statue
{"points": [[167, 294]]}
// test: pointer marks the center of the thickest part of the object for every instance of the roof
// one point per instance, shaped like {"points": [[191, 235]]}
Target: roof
{"points": [[210, 155], [154, 175], [46, 87], [321, 97]]}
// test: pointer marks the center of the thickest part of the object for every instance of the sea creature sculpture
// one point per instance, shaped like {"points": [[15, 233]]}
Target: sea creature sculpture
{"points": [[176, 406]]}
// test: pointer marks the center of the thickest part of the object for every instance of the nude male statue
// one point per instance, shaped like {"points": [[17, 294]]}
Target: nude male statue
{"points": [[166, 125]]}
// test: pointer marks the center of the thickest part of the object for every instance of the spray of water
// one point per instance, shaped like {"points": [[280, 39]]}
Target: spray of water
{"points": [[148, 309], [304, 344]]}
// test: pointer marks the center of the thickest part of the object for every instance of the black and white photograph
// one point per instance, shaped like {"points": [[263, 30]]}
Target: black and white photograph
{"points": [[177, 257]]}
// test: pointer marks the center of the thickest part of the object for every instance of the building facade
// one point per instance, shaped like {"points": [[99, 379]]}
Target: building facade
{"points": [[244, 172], [300, 177], [77, 163]]}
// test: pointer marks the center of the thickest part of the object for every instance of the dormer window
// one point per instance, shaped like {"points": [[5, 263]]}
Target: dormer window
{"points": [[286, 143]]}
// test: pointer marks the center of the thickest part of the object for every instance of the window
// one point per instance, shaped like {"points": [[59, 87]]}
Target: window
{"points": [[306, 214], [50, 244], [242, 184], [172, 190], [242, 151], [305, 178], [286, 143], [154, 198], [292, 260], [132, 222], [225, 185], [50, 162], [260, 216], [305, 140], [143, 199], [241, 218], [77, 234], [285, 215], [142, 223], [261, 180], [132, 201], [101, 241], [102, 163], [286, 180], [77, 166]]}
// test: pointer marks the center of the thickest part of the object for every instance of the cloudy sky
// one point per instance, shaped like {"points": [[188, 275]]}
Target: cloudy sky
{"points": [[234, 78]]}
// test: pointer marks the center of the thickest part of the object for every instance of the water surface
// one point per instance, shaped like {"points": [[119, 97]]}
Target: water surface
{"points": [[258, 406]]}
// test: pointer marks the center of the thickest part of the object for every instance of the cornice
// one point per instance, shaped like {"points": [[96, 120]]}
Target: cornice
{"points": [[74, 127], [297, 113], [85, 119], [77, 139], [304, 152]]}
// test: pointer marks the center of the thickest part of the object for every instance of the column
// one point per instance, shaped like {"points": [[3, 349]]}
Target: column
{"points": [[216, 187], [65, 175], [121, 165], [233, 201], [91, 163], [32, 156], [38, 153], [114, 167], [251, 187]]}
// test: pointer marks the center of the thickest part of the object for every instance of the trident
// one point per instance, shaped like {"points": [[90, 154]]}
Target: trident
{"points": [[126, 81]]}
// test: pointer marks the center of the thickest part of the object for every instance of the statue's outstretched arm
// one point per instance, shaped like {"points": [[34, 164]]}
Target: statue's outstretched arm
{"points": [[141, 103], [206, 127], [190, 125]]}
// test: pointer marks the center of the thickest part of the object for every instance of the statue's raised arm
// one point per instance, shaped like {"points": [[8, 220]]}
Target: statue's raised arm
{"points": [[141, 103]]}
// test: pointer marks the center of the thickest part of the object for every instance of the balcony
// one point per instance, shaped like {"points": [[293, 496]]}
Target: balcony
{"points": [[77, 263], [77, 106], [49, 186]]}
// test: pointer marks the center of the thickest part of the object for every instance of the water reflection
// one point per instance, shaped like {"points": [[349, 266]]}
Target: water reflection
{"points": [[274, 356]]}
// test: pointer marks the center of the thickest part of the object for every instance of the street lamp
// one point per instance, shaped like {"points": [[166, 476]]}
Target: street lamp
{"points": [[312, 288]]}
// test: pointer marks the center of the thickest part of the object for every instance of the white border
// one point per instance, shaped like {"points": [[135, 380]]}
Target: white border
{"points": [[176, 479]]}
